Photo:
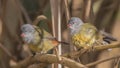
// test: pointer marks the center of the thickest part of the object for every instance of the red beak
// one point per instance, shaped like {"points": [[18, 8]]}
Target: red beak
{"points": [[22, 35], [69, 25]]}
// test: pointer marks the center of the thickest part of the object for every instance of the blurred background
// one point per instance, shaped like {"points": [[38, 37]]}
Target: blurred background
{"points": [[104, 14]]}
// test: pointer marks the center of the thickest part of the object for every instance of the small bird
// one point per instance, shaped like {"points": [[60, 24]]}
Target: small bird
{"points": [[38, 40], [84, 34]]}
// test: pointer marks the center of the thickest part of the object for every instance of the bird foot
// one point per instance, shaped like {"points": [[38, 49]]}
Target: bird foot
{"points": [[42, 52], [33, 54], [91, 49]]}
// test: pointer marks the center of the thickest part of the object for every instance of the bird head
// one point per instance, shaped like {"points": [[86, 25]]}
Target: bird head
{"points": [[75, 23], [27, 33]]}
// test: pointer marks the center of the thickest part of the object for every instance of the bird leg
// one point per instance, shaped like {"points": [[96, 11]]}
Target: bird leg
{"points": [[90, 48], [33, 53]]}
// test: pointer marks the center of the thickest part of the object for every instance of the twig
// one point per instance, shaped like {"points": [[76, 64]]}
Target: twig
{"points": [[107, 14], [53, 14], [40, 65], [23, 10], [7, 51], [105, 47], [87, 10], [101, 61], [96, 48], [47, 58], [16, 2], [65, 61], [75, 54], [39, 18], [1, 25], [67, 10], [59, 31]]}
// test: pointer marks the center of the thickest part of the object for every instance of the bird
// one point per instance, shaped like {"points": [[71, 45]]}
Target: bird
{"points": [[38, 39], [85, 35]]}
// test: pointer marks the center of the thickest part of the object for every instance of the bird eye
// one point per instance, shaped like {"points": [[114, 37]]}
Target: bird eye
{"points": [[73, 22]]}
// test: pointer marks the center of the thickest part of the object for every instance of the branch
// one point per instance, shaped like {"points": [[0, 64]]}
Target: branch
{"points": [[41, 65], [103, 60], [87, 10], [67, 10], [75, 54], [54, 14], [39, 18], [96, 48], [47, 58], [23, 10], [105, 47], [5, 50], [1, 26]]}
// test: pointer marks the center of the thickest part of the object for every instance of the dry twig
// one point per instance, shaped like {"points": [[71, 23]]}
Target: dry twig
{"points": [[5, 50], [23, 10], [67, 10], [102, 60], [47, 58], [88, 11], [65, 61], [96, 48], [39, 18]]}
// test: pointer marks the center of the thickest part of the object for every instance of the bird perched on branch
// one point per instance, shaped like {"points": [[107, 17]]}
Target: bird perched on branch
{"points": [[39, 40], [85, 34]]}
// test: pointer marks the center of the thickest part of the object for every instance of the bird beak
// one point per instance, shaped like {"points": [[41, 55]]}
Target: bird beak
{"points": [[68, 25], [22, 35]]}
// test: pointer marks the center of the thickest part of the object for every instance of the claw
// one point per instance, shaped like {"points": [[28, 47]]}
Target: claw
{"points": [[33, 54], [91, 49]]}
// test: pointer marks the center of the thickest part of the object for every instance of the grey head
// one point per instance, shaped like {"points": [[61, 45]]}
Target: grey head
{"points": [[74, 24], [27, 33]]}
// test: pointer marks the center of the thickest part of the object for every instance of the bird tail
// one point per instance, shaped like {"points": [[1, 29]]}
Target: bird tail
{"points": [[107, 37], [62, 42], [56, 41]]}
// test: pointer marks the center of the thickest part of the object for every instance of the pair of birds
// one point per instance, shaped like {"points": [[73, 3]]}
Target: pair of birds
{"points": [[83, 35]]}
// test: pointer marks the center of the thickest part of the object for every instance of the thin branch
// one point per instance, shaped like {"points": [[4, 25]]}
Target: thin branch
{"points": [[54, 14], [5, 50], [75, 54], [67, 10], [40, 65], [65, 61], [87, 10], [105, 47], [59, 31], [39, 18], [96, 48], [16, 2], [1, 26], [47, 58], [107, 14], [23, 10], [102, 60]]}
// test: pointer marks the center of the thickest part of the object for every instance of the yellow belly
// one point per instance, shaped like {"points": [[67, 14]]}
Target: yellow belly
{"points": [[82, 40], [44, 47], [35, 48]]}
